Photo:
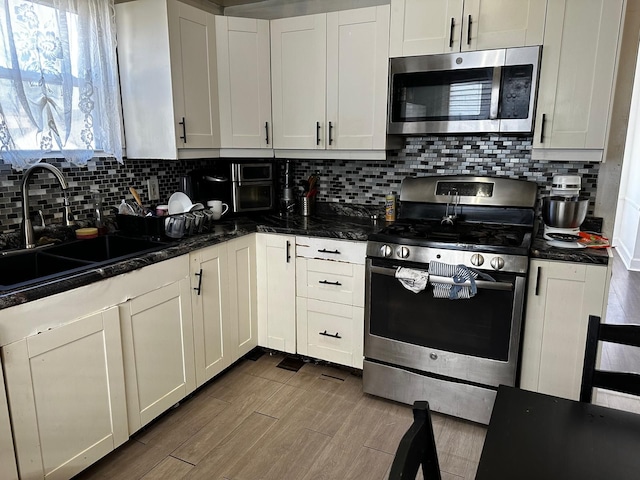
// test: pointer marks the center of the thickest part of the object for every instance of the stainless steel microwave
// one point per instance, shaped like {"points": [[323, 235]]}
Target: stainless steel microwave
{"points": [[471, 92]]}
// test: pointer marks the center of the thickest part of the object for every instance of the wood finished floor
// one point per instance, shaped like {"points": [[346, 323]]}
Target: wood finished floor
{"points": [[623, 307], [259, 421]]}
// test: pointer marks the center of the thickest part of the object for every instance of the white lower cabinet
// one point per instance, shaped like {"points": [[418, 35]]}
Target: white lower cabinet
{"points": [[157, 338], [561, 297], [331, 331], [8, 468], [276, 270], [212, 328], [243, 303], [330, 299], [66, 389]]}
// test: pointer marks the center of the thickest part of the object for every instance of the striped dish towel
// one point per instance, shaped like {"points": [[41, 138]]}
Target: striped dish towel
{"points": [[460, 274]]}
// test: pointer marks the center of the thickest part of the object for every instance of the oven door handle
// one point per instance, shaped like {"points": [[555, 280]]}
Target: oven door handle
{"points": [[448, 280]]}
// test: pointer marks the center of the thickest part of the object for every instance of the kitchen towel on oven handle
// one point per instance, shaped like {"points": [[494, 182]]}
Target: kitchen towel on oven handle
{"points": [[412, 279], [460, 274]]}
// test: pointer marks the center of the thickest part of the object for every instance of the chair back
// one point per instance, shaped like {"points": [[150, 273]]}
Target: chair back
{"points": [[417, 447], [624, 382]]}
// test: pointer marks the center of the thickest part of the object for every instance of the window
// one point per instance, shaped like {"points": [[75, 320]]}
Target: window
{"points": [[58, 81]]}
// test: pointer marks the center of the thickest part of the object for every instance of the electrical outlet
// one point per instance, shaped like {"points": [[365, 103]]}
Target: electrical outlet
{"points": [[153, 188]]}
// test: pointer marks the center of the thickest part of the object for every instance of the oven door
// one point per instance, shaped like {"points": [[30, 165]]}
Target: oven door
{"points": [[475, 340], [253, 196]]}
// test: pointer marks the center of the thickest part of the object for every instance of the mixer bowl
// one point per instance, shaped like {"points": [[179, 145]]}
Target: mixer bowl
{"points": [[564, 212]]}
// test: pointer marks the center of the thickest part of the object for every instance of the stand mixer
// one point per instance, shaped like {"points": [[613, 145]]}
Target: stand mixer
{"points": [[564, 211]]}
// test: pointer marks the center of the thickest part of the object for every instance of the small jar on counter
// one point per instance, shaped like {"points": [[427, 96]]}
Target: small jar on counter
{"points": [[390, 207]]}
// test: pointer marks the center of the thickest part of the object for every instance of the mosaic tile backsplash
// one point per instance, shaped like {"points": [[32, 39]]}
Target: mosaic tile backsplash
{"points": [[367, 182], [353, 182]]}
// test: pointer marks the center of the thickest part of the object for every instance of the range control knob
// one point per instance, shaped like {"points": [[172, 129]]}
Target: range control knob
{"points": [[477, 259], [386, 250], [497, 263], [403, 252]]}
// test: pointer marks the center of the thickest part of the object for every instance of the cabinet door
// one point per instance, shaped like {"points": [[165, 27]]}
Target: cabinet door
{"points": [[488, 24], [8, 469], [157, 338], [276, 270], [145, 79], [357, 65], [423, 27], [67, 395], [576, 75], [243, 306], [210, 303], [194, 73], [244, 82], [561, 297], [298, 73]]}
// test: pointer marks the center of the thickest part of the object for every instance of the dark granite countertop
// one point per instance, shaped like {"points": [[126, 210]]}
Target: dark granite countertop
{"points": [[542, 250], [322, 225], [329, 226]]}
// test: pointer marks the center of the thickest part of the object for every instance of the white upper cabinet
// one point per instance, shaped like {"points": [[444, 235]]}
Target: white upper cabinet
{"points": [[168, 73], [244, 82], [576, 77], [357, 65], [329, 75], [424, 27], [298, 61]]}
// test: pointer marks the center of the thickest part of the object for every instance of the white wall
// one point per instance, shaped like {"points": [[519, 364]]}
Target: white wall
{"points": [[626, 235]]}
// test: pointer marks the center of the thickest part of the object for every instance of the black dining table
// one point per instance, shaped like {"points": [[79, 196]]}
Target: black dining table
{"points": [[536, 436]]}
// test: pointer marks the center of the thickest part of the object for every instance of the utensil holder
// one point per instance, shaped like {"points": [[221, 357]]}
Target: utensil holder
{"points": [[307, 206]]}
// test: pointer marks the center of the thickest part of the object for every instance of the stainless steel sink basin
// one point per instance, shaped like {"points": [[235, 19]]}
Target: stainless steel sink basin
{"points": [[30, 267]]}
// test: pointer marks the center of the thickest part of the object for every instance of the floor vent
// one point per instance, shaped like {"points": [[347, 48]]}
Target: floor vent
{"points": [[291, 363], [254, 354]]}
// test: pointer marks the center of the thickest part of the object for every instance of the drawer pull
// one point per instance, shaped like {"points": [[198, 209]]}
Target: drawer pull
{"points": [[326, 282], [334, 252], [325, 334]]}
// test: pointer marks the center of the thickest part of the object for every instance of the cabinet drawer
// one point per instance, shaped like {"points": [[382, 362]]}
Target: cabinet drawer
{"points": [[330, 331], [329, 249], [330, 281]]}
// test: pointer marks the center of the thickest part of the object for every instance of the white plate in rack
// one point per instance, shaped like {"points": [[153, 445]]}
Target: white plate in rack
{"points": [[179, 203]]}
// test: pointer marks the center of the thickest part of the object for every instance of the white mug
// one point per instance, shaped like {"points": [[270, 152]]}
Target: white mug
{"points": [[216, 207]]}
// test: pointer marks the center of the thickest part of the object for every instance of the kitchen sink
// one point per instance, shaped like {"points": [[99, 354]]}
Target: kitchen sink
{"points": [[105, 248], [24, 268]]}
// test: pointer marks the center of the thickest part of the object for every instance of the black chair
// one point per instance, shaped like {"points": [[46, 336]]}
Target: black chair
{"points": [[417, 447], [610, 380]]}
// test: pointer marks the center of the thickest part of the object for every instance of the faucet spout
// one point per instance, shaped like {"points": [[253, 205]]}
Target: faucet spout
{"points": [[28, 235]]}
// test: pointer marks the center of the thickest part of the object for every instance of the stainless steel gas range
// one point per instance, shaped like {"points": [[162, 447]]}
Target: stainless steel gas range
{"points": [[466, 234]]}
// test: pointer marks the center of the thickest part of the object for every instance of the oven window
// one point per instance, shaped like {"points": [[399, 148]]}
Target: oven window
{"points": [[254, 172], [480, 326], [442, 95], [254, 197]]}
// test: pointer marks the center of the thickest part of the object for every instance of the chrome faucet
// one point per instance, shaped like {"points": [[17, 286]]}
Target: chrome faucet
{"points": [[27, 227]]}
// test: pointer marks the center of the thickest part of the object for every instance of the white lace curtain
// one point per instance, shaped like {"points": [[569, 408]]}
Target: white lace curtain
{"points": [[58, 81]]}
